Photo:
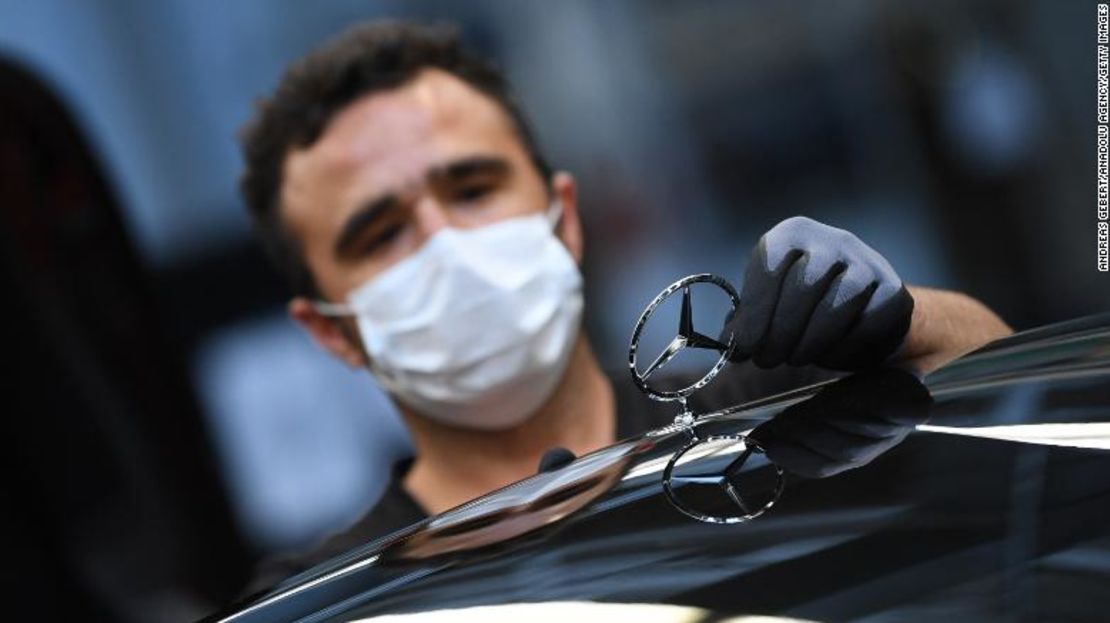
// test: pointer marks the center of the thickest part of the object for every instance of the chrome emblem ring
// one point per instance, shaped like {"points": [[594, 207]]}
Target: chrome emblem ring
{"points": [[686, 337]]}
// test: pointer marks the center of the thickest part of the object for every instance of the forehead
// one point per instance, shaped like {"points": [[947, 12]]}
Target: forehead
{"points": [[386, 141]]}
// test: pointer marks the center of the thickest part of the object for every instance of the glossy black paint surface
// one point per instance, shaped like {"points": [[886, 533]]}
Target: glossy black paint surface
{"points": [[879, 519]]}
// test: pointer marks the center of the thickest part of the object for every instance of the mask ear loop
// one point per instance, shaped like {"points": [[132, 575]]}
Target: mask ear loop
{"points": [[327, 308], [340, 310], [554, 213]]}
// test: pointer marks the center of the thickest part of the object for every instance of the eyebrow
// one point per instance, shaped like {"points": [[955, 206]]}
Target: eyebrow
{"points": [[373, 209], [360, 220], [466, 167]]}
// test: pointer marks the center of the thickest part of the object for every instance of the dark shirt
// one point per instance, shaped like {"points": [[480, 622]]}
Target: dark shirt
{"points": [[636, 414]]}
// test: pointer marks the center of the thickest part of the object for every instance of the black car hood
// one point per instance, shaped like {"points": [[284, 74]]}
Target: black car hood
{"points": [[985, 497]]}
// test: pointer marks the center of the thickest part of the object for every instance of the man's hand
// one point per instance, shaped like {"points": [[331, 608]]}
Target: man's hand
{"points": [[815, 294]]}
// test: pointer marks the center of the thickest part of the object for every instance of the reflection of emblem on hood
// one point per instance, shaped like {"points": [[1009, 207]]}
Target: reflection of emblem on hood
{"points": [[737, 491], [693, 481]]}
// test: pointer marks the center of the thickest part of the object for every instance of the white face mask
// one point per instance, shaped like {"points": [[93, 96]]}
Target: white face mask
{"points": [[474, 329]]}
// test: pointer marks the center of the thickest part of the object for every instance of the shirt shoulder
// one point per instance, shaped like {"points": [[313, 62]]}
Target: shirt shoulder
{"points": [[393, 511]]}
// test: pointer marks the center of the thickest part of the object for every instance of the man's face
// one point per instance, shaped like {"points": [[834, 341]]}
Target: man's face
{"points": [[392, 169], [395, 167]]}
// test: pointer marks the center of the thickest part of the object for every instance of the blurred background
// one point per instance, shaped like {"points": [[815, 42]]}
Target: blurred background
{"points": [[167, 426]]}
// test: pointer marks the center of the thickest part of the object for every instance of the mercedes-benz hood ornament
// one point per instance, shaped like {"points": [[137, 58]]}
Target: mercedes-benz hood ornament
{"points": [[708, 479]]}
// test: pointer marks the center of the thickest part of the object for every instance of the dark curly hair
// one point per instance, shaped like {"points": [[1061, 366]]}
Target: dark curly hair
{"points": [[375, 56]]}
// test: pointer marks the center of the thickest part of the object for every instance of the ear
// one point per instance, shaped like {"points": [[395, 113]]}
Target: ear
{"points": [[328, 332], [569, 228]]}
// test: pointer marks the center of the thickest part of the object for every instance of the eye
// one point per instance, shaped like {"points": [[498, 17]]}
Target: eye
{"points": [[380, 239], [472, 192]]}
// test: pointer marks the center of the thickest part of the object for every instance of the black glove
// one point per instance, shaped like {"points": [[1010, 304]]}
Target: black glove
{"points": [[815, 294]]}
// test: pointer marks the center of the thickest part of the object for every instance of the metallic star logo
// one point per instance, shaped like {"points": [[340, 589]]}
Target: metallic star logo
{"points": [[687, 337], [747, 496]]}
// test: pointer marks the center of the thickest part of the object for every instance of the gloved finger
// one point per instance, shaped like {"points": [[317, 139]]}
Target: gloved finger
{"points": [[835, 314], [766, 269], [889, 281], [803, 286], [881, 329]]}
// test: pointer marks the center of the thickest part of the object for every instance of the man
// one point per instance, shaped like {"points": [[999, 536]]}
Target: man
{"points": [[397, 184]]}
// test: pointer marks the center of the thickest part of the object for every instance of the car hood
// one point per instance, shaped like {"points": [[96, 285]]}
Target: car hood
{"points": [[982, 491]]}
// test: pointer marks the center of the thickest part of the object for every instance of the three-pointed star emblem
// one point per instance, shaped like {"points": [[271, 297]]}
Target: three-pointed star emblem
{"points": [[687, 337]]}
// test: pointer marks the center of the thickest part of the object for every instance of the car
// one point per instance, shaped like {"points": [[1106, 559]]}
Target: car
{"points": [[980, 492]]}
